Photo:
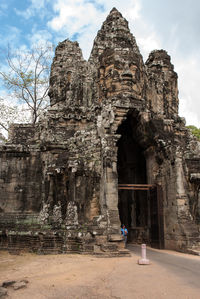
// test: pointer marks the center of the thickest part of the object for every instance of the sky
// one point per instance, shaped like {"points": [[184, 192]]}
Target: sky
{"points": [[173, 25]]}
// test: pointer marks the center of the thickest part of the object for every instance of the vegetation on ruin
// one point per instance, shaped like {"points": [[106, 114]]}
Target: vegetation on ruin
{"points": [[195, 131]]}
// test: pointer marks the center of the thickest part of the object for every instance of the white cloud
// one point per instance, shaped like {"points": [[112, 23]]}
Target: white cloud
{"points": [[148, 43], [3, 8], [11, 36], [74, 17], [39, 37], [188, 69], [11, 111], [85, 18], [33, 9]]}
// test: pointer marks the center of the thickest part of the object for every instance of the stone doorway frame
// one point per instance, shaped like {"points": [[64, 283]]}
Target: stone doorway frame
{"points": [[109, 181]]}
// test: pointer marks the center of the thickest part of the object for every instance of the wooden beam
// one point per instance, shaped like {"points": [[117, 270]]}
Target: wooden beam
{"points": [[136, 185], [132, 188]]}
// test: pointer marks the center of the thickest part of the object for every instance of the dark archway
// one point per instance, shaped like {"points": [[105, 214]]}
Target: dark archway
{"points": [[133, 204]]}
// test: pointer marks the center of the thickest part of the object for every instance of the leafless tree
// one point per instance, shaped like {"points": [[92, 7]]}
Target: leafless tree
{"points": [[26, 77], [11, 114]]}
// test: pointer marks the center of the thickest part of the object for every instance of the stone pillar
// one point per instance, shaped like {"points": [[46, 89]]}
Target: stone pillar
{"points": [[111, 189], [181, 196]]}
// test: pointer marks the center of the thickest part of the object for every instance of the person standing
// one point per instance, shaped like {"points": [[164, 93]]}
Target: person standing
{"points": [[124, 232]]}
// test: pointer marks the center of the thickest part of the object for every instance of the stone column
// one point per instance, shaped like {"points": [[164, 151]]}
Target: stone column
{"points": [[111, 190], [181, 196]]}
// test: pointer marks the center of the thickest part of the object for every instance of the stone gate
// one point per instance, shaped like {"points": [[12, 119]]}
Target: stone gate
{"points": [[111, 149]]}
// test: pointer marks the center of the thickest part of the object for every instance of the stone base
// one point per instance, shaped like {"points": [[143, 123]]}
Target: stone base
{"points": [[50, 243], [143, 262]]}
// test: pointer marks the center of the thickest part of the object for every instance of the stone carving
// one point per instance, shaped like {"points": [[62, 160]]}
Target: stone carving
{"points": [[57, 214], [44, 214], [71, 215], [113, 120]]}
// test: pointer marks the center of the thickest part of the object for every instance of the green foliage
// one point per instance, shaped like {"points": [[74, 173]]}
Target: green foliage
{"points": [[195, 131]]}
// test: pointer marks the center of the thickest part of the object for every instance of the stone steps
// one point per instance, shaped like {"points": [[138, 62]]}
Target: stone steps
{"points": [[194, 250], [57, 245], [118, 253]]}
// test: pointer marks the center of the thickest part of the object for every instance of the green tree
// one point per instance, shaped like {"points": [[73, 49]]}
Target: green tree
{"points": [[195, 131]]}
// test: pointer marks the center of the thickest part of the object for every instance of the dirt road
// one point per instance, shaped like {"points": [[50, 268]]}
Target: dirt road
{"points": [[81, 277]]}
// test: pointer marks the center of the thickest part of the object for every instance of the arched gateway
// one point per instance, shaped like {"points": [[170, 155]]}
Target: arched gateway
{"points": [[110, 149], [140, 199]]}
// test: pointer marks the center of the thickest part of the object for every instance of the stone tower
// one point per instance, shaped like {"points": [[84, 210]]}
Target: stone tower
{"points": [[111, 149]]}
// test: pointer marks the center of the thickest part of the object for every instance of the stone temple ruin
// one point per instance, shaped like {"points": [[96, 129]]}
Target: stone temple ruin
{"points": [[111, 149]]}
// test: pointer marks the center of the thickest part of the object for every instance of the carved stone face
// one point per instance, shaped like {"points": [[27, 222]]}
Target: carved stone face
{"points": [[118, 73]]}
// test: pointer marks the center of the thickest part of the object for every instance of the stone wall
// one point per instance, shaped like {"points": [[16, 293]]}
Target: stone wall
{"points": [[21, 188]]}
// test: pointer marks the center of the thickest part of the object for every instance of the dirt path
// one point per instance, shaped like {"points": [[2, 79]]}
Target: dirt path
{"points": [[81, 277]]}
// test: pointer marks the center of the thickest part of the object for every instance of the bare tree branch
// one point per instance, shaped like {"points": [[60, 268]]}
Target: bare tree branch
{"points": [[27, 77]]}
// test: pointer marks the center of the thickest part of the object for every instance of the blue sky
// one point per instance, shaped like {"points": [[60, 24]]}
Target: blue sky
{"points": [[173, 25]]}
